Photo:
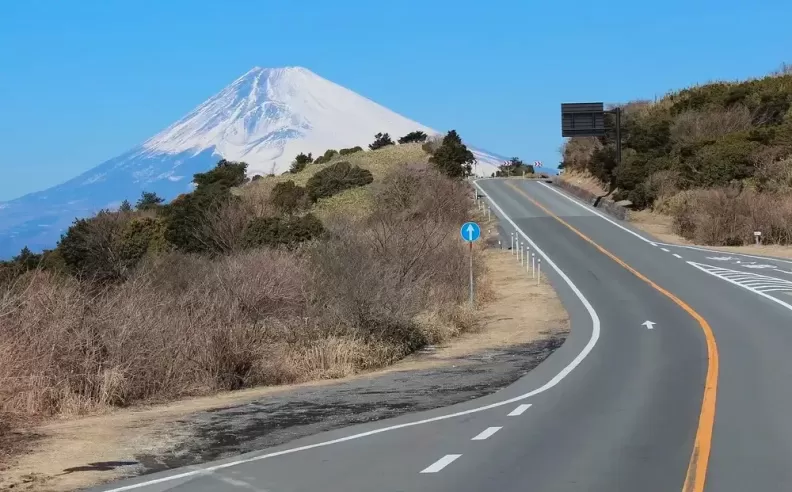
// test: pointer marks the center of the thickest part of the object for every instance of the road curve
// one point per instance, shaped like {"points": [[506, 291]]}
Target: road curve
{"points": [[619, 407]]}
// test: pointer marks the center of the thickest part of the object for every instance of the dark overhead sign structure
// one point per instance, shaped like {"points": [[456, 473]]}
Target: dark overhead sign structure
{"points": [[588, 120], [582, 119]]}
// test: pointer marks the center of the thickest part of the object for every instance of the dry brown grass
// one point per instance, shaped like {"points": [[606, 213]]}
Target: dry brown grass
{"points": [[187, 325], [584, 180], [389, 278], [695, 126], [577, 153], [729, 217], [518, 311]]}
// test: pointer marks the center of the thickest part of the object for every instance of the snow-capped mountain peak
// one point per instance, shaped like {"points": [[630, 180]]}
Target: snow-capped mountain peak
{"points": [[265, 118], [268, 115]]}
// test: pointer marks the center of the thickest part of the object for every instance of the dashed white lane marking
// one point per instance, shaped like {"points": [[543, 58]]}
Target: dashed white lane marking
{"points": [[629, 231], [441, 463], [592, 342], [489, 431], [666, 250], [519, 410], [677, 256]]}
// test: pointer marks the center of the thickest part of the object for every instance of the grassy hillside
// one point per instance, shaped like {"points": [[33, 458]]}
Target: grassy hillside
{"points": [[345, 266], [716, 157], [354, 202]]}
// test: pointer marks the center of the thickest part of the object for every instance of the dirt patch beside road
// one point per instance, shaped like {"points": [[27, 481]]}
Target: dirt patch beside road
{"points": [[522, 325]]}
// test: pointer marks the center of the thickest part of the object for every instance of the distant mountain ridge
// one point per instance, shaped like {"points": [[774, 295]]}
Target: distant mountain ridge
{"points": [[265, 118]]}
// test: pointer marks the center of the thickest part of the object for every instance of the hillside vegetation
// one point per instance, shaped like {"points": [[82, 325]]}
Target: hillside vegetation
{"points": [[331, 269], [716, 157]]}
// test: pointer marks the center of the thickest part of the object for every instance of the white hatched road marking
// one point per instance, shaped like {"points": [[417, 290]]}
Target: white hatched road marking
{"points": [[754, 282]]}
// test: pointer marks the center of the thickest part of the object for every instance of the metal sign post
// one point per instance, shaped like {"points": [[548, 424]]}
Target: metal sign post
{"points": [[470, 232]]}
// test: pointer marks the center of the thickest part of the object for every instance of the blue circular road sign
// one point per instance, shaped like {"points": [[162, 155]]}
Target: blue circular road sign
{"points": [[470, 231]]}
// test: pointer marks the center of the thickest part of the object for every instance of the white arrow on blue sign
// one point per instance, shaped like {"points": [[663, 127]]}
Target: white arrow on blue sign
{"points": [[470, 231]]}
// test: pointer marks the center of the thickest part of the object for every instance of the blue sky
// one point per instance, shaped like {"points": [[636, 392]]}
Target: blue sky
{"points": [[82, 81]]}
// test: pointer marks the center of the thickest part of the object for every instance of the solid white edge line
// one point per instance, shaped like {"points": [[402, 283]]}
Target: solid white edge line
{"points": [[653, 243], [488, 432], [595, 334], [757, 292], [519, 410], [597, 212], [441, 463]]}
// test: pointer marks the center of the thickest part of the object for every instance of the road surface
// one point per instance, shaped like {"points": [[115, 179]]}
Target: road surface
{"points": [[623, 405]]}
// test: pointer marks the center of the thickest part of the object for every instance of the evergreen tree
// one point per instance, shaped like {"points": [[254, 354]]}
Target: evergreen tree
{"points": [[125, 206], [413, 137], [26, 259], [453, 158], [300, 162], [148, 201], [381, 140]]}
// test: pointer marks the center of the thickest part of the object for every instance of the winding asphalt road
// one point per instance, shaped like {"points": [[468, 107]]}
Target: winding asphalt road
{"points": [[619, 407]]}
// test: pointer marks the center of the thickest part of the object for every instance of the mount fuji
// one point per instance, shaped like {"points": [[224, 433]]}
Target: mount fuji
{"points": [[265, 118]]}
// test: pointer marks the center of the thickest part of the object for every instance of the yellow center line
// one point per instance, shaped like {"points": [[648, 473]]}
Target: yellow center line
{"points": [[699, 458]]}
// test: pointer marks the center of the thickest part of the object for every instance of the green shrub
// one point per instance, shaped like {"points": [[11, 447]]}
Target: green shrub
{"points": [[226, 174], [324, 158], [186, 218], [91, 247], [335, 179], [288, 231], [287, 197], [352, 150], [142, 236], [720, 162]]}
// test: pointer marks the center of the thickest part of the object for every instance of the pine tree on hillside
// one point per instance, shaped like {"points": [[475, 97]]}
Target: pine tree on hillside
{"points": [[148, 201], [381, 140], [413, 137], [453, 158], [125, 206], [300, 162]]}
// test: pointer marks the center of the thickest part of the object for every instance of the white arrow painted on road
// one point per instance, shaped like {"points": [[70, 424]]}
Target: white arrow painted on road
{"points": [[648, 324]]}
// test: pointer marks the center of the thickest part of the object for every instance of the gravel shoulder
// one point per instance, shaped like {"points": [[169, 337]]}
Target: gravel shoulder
{"points": [[515, 337]]}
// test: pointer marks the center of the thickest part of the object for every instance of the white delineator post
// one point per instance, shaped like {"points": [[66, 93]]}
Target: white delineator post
{"points": [[511, 248], [527, 255], [521, 253], [538, 271], [533, 265]]}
